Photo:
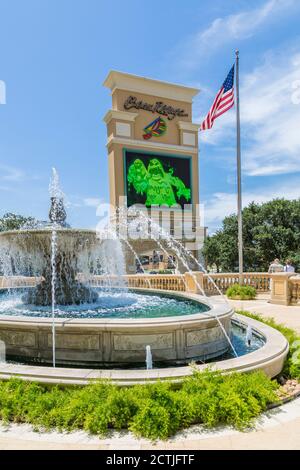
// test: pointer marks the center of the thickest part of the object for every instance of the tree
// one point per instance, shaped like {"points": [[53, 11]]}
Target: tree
{"points": [[16, 222], [270, 230]]}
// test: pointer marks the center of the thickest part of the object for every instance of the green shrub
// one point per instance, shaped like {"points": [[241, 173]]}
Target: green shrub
{"points": [[241, 292], [291, 367], [152, 421], [152, 411], [294, 360], [233, 399]]}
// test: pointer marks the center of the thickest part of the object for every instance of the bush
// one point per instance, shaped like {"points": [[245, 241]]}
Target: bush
{"points": [[152, 411], [241, 292], [291, 367], [152, 421]]}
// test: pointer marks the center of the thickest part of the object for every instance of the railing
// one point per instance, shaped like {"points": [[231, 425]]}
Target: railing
{"points": [[284, 288], [17, 282], [174, 282], [177, 282], [261, 281], [294, 286]]}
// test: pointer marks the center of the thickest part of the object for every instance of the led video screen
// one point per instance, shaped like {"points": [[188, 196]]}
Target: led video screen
{"points": [[160, 180]]}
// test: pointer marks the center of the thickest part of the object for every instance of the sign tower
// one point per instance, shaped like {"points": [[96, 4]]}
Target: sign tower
{"points": [[153, 155]]}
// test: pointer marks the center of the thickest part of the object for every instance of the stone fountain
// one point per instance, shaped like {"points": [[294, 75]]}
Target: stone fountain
{"points": [[28, 252]]}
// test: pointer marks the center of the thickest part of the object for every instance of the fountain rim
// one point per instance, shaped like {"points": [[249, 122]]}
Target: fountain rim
{"points": [[216, 309], [269, 358]]}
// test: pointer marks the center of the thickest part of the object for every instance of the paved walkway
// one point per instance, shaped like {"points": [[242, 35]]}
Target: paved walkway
{"points": [[289, 315], [278, 429]]}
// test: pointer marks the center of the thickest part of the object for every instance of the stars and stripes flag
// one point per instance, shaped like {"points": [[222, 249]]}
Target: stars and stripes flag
{"points": [[222, 102]]}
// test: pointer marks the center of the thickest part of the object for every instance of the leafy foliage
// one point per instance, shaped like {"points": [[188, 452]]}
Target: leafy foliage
{"points": [[292, 363], [241, 292], [270, 230], [15, 222], [153, 410]]}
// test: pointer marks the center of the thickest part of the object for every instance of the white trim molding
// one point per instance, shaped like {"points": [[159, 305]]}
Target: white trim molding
{"points": [[121, 115], [188, 126], [151, 145], [148, 86]]}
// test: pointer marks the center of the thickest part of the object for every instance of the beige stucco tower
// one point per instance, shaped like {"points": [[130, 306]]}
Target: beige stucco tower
{"points": [[153, 153]]}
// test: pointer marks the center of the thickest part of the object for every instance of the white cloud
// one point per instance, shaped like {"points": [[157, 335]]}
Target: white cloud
{"points": [[238, 26], [269, 117], [11, 174], [222, 204], [92, 202]]}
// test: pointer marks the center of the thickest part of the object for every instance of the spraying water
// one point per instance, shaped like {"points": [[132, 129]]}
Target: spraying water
{"points": [[2, 351], [249, 334], [149, 362], [143, 222], [55, 215]]}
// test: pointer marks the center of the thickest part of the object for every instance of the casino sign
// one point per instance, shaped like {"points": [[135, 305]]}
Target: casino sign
{"points": [[159, 107]]}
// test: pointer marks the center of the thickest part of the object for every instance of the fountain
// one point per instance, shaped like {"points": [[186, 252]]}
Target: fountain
{"points": [[53, 254], [79, 311]]}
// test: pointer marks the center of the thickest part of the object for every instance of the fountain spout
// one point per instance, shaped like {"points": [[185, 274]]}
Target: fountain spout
{"points": [[57, 213], [2, 351], [149, 362], [249, 335]]}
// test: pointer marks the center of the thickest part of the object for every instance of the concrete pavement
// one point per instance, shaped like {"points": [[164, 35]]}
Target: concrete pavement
{"points": [[289, 315]]}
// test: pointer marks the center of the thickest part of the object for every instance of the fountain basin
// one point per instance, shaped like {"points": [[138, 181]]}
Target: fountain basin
{"points": [[113, 341], [269, 358]]}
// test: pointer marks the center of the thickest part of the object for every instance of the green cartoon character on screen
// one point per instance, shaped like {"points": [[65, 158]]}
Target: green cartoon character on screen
{"points": [[158, 185]]}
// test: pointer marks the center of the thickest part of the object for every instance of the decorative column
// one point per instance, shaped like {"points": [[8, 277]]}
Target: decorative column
{"points": [[194, 282], [280, 291]]}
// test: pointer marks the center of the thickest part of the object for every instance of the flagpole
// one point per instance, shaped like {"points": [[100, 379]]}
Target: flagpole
{"points": [[239, 175]]}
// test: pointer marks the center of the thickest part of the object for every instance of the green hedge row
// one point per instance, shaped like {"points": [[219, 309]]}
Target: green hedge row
{"points": [[152, 411]]}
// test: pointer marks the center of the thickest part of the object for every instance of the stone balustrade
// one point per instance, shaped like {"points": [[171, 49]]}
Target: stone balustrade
{"points": [[195, 281], [13, 282], [284, 288], [174, 282], [261, 281]]}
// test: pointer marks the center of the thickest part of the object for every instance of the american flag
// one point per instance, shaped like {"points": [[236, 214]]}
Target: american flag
{"points": [[222, 102]]}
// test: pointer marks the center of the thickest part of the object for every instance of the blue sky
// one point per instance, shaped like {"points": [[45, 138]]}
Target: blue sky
{"points": [[55, 54]]}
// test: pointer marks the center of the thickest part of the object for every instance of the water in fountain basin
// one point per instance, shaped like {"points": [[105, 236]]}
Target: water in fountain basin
{"points": [[110, 304]]}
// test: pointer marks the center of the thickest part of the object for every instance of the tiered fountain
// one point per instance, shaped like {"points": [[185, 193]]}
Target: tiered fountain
{"points": [[64, 318]]}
